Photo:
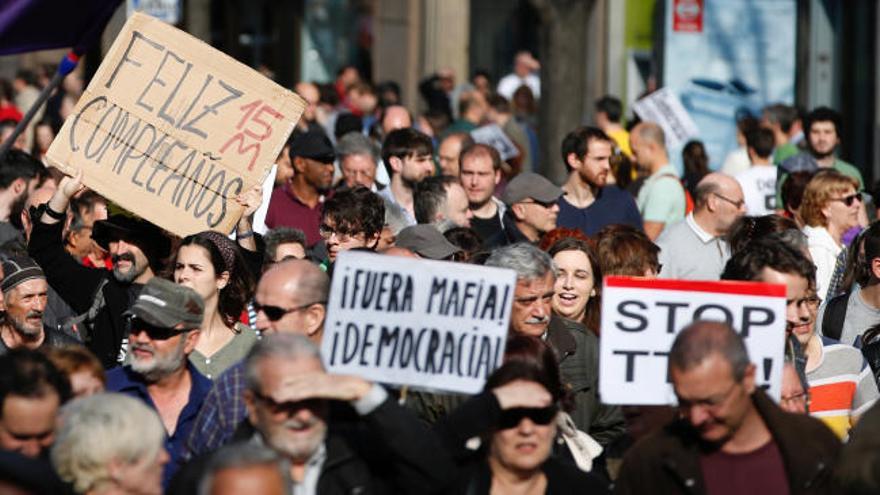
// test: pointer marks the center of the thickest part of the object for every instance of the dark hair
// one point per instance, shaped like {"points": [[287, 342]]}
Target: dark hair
{"points": [[793, 188], [578, 141], [592, 316], [701, 339], [822, 114], [29, 373], [695, 159], [498, 103], [17, 164], [524, 100], [759, 254], [279, 236], [233, 298], [465, 239], [83, 204], [430, 195], [625, 250], [356, 210], [747, 124], [610, 106], [345, 123], [481, 149], [784, 115], [35, 147], [403, 143], [761, 141], [746, 229], [530, 358]]}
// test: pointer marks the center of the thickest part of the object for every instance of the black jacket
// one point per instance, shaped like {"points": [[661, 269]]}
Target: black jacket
{"points": [[668, 461], [78, 285], [509, 234], [388, 451]]}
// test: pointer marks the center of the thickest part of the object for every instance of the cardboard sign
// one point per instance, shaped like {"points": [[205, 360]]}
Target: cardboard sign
{"points": [[665, 109], [172, 129], [495, 137], [641, 317], [432, 325]]}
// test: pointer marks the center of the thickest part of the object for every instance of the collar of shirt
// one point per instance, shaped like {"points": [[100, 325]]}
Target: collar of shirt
{"points": [[288, 190], [704, 236], [131, 382]]}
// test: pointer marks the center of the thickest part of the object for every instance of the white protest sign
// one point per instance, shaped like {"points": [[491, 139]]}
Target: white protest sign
{"points": [[641, 317], [173, 130], [495, 137], [432, 325], [665, 109]]}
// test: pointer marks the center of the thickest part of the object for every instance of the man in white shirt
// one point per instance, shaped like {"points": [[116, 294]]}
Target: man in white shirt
{"points": [[524, 74], [758, 182]]}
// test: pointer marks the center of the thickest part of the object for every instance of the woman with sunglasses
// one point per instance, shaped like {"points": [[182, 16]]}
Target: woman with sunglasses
{"points": [[578, 283], [212, 265], [515, 422], [830, 207]]}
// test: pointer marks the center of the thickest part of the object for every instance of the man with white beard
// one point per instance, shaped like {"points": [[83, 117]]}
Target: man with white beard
{"points": [[164, 326]]}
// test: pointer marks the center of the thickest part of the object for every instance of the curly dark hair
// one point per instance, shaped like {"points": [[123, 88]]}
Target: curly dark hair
{"points": [[356, 210], [233, 298]]}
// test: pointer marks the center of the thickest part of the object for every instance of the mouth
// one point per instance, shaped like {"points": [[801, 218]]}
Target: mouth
{"points": [[526, 447], [141, 353]]}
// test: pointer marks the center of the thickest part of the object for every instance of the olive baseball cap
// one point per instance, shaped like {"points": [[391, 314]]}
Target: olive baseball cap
{"points": [[164, 304]]}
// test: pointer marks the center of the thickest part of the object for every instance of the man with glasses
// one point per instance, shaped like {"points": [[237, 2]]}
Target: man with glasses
{"points": [[730, 436], [291, 297], [164, 324], [695, 248], [352, 218], [532, 208]]}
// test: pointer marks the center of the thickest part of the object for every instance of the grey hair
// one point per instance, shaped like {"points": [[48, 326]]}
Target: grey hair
{"points": [[394, 217], [99, 429], [704, 189], [277, 345], [279, 236], [242, 455], [355, 143], [525, 259], [701, 339]]}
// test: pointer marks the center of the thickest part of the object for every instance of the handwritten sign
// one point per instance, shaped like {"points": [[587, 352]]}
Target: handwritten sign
{"points": [[665, 109], [428, 324], [172, 129], [640, 319]]}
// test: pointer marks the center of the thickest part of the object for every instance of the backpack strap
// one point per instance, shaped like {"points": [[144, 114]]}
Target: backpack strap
{"points": [[835, 314]]}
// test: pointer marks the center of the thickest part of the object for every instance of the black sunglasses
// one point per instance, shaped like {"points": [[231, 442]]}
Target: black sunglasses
{"points": [[511, 418], [275, 313], [137, 325], [848, 200], [289, 407]]}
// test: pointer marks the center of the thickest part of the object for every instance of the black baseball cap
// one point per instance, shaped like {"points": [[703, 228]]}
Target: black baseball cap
{"points": [[314, 145]]}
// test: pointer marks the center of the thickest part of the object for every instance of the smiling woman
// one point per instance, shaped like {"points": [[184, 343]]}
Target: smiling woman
{"points": [[578, 285]]}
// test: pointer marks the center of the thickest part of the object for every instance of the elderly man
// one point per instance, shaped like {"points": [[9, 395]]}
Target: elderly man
{"points": [[283, 243], [532, 209], [291, 297], [164, 326], [137, 248], [661, 199], [441, 201], [24, 301], [358, 159], [731, 437], [576, 348], [695, 248], [31, 392], [450, 150]]}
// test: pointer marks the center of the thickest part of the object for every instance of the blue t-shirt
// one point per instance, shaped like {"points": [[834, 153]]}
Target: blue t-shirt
{"points": [[612, 206]]}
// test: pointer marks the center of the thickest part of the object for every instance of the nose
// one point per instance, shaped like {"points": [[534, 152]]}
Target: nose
{"points": [[567, 282], [555, 208], [526, 427], [697, 416]]}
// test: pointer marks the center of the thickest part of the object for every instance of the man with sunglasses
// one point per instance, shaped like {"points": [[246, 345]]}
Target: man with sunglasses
{"points": [[532, 210], [695, 248], [730, 436], [291, 297], [164, 324]]}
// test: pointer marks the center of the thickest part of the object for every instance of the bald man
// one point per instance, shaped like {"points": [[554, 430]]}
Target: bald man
{"points": [[290, 298], [661, 199], [395, 117], [694, 248]]}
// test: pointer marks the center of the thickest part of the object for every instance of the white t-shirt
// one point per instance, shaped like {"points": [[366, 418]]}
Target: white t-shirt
{"points": [[758, 183]]}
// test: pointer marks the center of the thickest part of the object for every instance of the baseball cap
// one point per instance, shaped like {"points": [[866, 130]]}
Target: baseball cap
{"points": [[314, 145], [530, 185], [164, 304], [426, 241]]}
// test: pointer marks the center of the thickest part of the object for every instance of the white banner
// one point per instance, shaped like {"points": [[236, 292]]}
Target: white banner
{"points": [[641, 317], [431, 325], [664, 108]]}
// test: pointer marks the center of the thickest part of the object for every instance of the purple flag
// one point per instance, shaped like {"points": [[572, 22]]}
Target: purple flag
{"points": [[28, 25]]}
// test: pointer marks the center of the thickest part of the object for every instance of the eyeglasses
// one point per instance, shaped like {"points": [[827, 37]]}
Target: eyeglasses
{"points": [[739, 204], [712, 403], [288, 407], [848, 200], [795, 399], [275, 313], [511, 418], [137, 325], [326, 232]]}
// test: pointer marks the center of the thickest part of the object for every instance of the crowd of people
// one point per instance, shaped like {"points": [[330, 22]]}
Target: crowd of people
{"points": [[134, 361]]}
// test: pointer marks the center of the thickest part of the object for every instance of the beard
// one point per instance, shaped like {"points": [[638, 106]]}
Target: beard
{"points": [[15, 210], [161, 365], [21, 326], [297, 449], [132, 273]]}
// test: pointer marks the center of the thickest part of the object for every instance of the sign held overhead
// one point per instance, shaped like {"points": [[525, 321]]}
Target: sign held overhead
{"points": [[172, 129]]}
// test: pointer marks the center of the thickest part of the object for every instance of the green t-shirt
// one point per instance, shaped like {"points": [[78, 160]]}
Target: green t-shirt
{"points": [[784, 152], [661, 198]]}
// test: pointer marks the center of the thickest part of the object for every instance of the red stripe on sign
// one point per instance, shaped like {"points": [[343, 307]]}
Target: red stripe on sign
{"points": [[721, 287]]}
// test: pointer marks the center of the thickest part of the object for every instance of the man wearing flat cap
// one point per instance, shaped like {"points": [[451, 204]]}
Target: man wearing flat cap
{"points": [[164, 326], [137, 248], [426, 242], [299, 202], [25, 290], [532, 208]]}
